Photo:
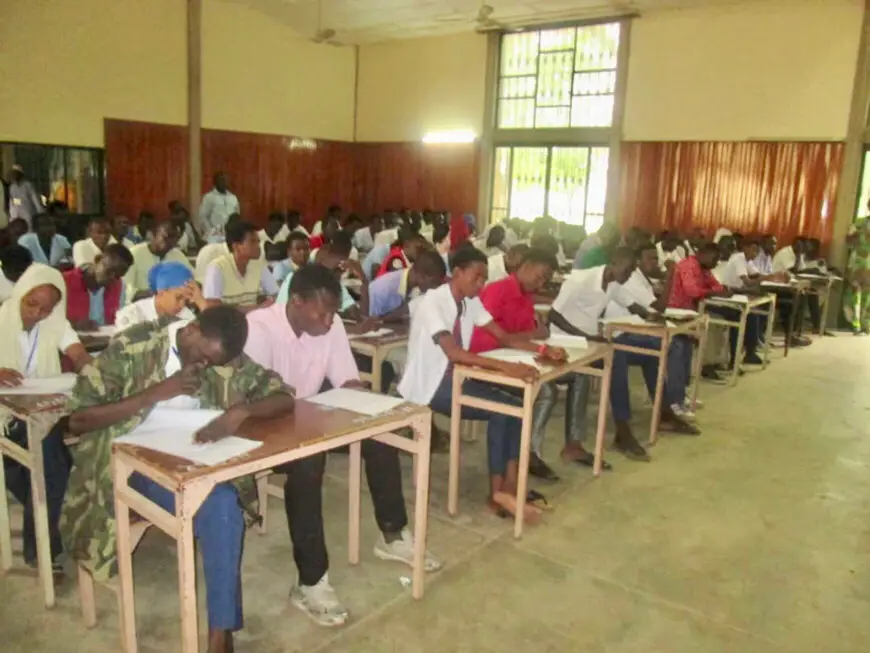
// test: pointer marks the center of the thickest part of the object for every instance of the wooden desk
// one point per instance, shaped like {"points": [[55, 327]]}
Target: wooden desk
{"points": [[378, 347], [580, 361], [696, 327], [310, 429], [821, 286], [40, 413], [752, 306], [795, 289]]}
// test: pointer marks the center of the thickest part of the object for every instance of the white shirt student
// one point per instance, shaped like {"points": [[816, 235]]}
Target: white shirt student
{"points": [[786, 259], [637, 290], [737, 268], [434, 313], [582, 300], [145, 310]]}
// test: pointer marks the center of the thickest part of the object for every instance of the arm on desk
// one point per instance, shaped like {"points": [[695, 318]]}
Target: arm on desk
{"points": [[274, 405], [559, 320], [459, 356], [523, 341]]}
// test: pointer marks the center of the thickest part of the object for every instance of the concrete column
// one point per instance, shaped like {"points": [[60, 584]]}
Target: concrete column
{"points": [[194, 104], [611, 204]]}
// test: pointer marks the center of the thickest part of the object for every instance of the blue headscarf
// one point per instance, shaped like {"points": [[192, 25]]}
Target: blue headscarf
{"points": [[169, 274]]}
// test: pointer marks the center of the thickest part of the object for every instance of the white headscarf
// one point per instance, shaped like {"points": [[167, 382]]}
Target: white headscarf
{"points": [[51, 329]]}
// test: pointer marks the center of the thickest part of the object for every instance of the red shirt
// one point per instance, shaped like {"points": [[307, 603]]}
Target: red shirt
{"points": [[691, 284], [395, 261], [511, 308], [78, 299], [316, 242]]}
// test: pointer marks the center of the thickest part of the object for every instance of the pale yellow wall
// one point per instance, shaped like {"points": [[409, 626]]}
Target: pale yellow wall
{"points": [[407, 88], [765, 70], [65, 64], [258, 75]]}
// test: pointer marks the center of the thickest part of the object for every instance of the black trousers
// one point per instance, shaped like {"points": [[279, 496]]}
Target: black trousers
{"points": [[57, 463], [303, 502], [750, 334]]}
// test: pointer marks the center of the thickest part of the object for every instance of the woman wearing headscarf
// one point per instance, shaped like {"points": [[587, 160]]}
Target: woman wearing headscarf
{"points": [[36, 334], [174, 291]]}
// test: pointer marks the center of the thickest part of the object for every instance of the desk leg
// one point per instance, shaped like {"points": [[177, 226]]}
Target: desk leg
{"points": [[699, 361], [823, 323], [37, 429], [455, 419], [377, 361], [796, 305], [738, 351], [354, 481], [660, 385], [603, 401], [5, 528], [768, 336], [423, 435], [529, 394], [187, 502], [124, 546]]}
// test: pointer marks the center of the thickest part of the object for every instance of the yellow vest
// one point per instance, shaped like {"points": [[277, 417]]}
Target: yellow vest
{"points": [[239, 290]]}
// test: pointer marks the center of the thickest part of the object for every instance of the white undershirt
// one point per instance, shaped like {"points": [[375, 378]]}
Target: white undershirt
{"points": [[173, 365]]}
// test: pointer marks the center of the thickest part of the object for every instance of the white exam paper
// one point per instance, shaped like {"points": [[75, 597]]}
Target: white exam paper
{"points": [[512, 356], [357, 401], [50, 385], [680, 313], [565, 341], [738, 299], [171, 431], [371, 334]]}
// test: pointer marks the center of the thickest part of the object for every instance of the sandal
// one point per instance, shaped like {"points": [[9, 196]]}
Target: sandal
{"points": [[535, 498], [588, 460]]}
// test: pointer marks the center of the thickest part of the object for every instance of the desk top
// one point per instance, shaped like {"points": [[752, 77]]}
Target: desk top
{"points": [[309, 423], [741, 300], [23, 406], [400, 333], [577, 358]]}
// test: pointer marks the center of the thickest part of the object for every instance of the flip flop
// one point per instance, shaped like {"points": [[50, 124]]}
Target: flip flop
{"points": [[539, 500], [588, 460]]}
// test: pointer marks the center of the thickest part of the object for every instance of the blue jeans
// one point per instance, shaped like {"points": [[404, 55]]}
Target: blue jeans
{"points": [[220, 529], [620, 402], [503, 433]]}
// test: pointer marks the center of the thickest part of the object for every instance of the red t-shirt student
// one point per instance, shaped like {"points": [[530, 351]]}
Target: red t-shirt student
{"points": [[511, 301], [396, 260], [104, 277]]}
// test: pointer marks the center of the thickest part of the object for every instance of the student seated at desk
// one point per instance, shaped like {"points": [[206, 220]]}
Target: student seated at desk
{"points": [[298, 254], [273, 239], [197, 364], [335, 257], [148, 254], [389, 294], [511, 303], [36, 334], [173, 294], [441, 328], [694, 281], [14, 261], [241, 278], [305, 342], [45, 244], [577, 310], [364, 237], [403, 253], [93, 291], [99, 237]]}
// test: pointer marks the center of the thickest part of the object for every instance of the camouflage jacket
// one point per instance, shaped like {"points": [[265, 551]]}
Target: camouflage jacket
{"points": [[134, 361]]}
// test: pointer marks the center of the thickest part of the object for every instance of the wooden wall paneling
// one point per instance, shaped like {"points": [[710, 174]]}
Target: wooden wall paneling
{"points": [[146, 166], [784, 188]]}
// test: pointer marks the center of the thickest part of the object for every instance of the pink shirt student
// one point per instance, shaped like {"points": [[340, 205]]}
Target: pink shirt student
{"points": [[303, 362]]}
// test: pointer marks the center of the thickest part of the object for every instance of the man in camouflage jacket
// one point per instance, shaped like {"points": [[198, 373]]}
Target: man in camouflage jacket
{"points": [[176, 365]]}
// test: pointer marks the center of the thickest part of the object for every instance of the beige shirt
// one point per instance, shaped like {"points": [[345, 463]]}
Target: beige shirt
{"points": [[136, 279]]}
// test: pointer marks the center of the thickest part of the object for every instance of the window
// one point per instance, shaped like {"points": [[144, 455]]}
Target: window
{"points": [[562, 77], [566, 182], [74, 175]]}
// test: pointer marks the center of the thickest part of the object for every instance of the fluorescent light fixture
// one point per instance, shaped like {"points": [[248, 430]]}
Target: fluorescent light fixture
{"points": [[454, 136]]}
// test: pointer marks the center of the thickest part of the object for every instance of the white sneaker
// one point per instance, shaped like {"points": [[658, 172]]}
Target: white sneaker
{"points": [[688, 404], [320, 603], [681, 411], [402, 550]]}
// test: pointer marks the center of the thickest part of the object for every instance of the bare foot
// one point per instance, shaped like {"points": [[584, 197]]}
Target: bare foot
{"points": [[574, 451], [508, 503]]}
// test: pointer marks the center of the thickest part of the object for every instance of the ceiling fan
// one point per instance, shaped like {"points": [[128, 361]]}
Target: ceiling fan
{"points": [[482, 21], [323, 34]]}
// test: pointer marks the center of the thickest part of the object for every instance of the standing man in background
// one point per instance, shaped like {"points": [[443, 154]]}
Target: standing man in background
{"points": [[216, 207], [24, 201]]}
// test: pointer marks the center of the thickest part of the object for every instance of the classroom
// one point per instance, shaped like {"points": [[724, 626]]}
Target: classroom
{"points": [[434, 325]]}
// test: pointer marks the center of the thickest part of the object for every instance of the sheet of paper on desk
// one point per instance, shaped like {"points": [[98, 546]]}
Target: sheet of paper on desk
{"points": [[624, 319], [103, 332], [681, 313], [739, 299], [371, 334], [512, 356], [776, 284], [51, 385], [565, 341], [357, 401], [171, 431]]}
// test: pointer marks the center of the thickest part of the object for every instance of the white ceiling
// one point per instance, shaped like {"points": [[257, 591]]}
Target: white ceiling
{"points": [[369, 21]]}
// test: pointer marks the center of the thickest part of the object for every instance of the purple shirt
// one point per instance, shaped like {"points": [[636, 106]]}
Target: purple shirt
{"points": [[388, 292], [303, 362]]}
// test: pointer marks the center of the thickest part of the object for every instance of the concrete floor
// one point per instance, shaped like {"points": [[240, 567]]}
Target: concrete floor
{"points": [[751, 538]]}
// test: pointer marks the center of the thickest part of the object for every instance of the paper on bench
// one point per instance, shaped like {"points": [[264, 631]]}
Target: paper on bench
{"points": [[565, 341], [50, 385], [171, 431], [681, 313], [738, 299], [371, 334], [357, 401], [512, 356], [634, 319]]}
